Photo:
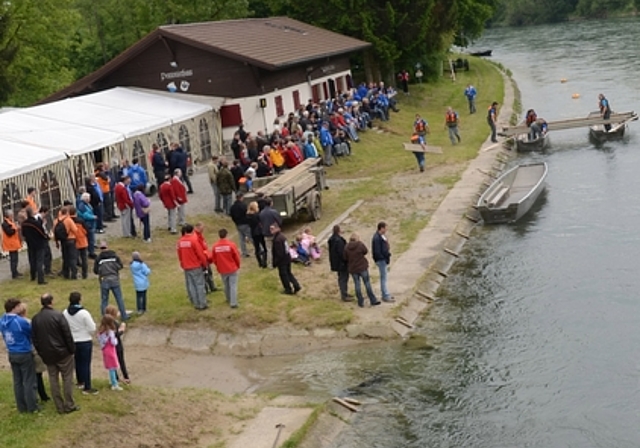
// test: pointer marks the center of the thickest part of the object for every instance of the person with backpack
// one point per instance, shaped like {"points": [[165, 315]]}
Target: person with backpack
{"points": [[82, 241], [64, 233]]}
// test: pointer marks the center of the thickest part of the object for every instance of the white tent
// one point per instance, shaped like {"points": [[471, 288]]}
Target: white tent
{"points": [[84, 124], [54, 146]]}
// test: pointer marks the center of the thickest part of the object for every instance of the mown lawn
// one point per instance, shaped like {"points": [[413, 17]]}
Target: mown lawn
{"points": [[376, 160], [159, 417]]}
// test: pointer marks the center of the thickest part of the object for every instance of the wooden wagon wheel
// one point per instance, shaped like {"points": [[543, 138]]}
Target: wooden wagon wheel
{"points": [[314, 205]]}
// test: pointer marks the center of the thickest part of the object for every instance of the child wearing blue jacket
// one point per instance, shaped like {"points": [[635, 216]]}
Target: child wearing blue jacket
{"points": [[140, 273]]}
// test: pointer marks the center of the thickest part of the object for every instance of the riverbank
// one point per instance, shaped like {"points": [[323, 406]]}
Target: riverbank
{"points": [[271, 324]]}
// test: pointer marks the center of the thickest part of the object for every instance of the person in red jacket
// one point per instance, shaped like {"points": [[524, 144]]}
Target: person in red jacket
{"points": [[193, 262], [168, 199], [292, 155], [180, 192], [226, 257], [124, 202]]}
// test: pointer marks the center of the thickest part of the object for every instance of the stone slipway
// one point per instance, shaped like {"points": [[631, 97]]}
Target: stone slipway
{"points": [[416, 274]]}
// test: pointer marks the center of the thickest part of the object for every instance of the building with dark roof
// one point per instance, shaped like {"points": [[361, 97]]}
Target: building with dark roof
{"points": [[278, 60]]}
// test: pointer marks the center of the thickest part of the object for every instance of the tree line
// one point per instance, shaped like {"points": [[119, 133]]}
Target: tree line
{"points": [[532, 12], [46, 45]]}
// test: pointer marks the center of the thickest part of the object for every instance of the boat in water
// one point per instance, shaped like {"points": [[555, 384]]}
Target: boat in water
{"points": [[481, 53], [523, 144], [513, 194], [599, 134]]}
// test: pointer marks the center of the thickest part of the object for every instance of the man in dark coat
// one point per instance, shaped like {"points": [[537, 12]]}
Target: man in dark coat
{"points": [[282, 260], [338, 264], [159, 164], [179, 161], [53, 341], [226, 185], [37, 240]]}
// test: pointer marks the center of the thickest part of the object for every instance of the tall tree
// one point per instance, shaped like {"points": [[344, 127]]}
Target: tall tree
{"points": [[8, 50], [41, 65]]}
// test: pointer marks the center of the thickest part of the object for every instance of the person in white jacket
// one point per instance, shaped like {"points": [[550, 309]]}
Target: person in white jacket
{"points": [[82, 329]]}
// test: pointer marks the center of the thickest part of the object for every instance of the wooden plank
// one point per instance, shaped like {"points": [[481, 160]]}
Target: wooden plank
{"points": [[572, 123], [414, 147], [345, 404]]}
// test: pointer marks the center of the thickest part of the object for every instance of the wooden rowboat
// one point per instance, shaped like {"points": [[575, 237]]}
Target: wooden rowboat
{"points": [[599, 134], [513, 194], [523, 144], [481, 53]]}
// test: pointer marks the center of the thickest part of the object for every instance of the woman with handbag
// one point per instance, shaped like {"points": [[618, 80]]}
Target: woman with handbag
{"points": [[142, 204]]}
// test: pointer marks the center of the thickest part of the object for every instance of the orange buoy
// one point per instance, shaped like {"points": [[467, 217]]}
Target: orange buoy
{"points": [[563, 80], [575, 96]]}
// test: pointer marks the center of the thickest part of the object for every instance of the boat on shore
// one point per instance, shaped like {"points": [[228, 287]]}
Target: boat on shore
{"points": [[481, 53], [599, 134], [523, 144], [513, 194]]}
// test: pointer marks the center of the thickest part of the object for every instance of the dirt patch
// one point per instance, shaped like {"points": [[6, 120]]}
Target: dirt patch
{"points": [[405, 204], [146, 418]]}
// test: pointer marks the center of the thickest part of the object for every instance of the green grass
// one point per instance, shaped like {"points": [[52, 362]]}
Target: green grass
{"points": [[377, 159], [366, 175]]}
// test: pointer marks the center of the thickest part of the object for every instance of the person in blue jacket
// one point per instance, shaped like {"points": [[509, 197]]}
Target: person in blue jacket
{"points": [[326, 140], [140, 273], [137, 174], [470, 93], [85, 211], [310, 149], [16, 332]]}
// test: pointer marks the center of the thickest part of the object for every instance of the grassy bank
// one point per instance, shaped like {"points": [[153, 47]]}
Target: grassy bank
{"points": [[379, 172], [374, 168], [372, 174]]}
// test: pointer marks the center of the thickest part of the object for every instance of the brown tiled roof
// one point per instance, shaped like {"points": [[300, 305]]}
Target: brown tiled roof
{"points": [[270, 43]]}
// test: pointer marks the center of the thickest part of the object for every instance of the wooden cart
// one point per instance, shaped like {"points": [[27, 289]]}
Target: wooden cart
{"points": [[294, 191]]}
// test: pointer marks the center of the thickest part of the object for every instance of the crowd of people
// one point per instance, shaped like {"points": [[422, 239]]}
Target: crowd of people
{"points": [[61, 343]]}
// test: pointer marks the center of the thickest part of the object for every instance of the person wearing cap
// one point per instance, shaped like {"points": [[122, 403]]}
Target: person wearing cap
{"points": [[193, 262], [226, 257], [140, 273], [16, 332], [107, 267], [53, 341]]}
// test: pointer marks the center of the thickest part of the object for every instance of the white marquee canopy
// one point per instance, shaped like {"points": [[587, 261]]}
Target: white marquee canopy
{"points": [[34, 137]]}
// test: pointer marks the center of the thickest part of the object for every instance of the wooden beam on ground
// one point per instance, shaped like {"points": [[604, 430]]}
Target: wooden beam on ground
{"points": [[414, 147], [572, 123]]}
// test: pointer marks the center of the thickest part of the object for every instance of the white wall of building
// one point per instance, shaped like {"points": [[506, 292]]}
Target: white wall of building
{"points": [[254, 117]]}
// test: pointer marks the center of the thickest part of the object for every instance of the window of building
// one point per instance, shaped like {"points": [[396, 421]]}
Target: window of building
{"points": [[163, 143], [315, 93], [50, 195], [279, 106], [340, 84], [205, 140], [296, 99], [185, 141], [138, 153], [11, 197]]}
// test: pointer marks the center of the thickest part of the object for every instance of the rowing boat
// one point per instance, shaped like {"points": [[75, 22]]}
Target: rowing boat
{"points": [[523, 144], [600, 134], [513, 194]]}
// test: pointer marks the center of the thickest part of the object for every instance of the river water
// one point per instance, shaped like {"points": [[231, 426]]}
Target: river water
{"points": [[536, 341]]}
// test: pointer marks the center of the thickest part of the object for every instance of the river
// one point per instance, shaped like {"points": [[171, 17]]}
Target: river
{"points": [[536, 341]]}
